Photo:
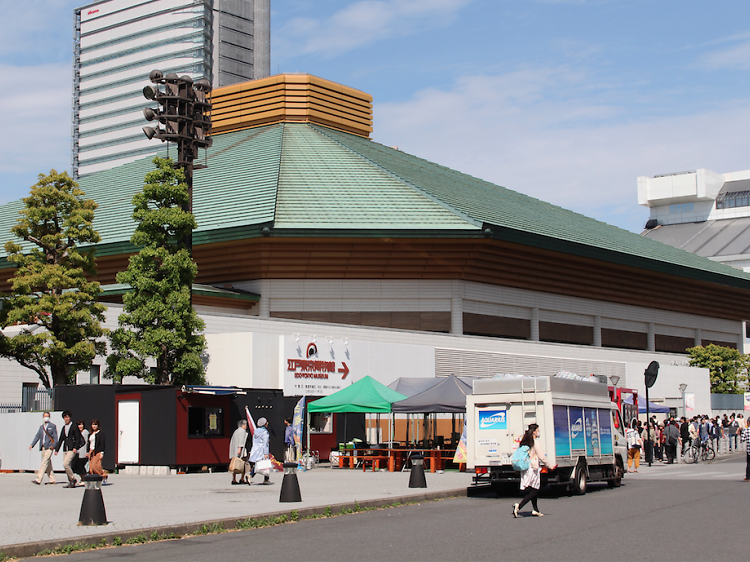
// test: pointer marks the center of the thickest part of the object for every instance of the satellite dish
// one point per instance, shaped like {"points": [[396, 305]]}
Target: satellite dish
{"points": [[651, 372]]}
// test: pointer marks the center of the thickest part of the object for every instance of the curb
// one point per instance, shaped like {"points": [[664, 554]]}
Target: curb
{"points": [[29, 549]]}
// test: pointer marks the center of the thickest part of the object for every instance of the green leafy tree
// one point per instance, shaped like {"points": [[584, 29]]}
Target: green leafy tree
{"points": [[51, 295], [158, 321], [728, 367]]}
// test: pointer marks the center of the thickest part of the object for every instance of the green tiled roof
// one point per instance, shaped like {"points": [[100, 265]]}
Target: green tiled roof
{"points": [[116, 289], [300, 179]]}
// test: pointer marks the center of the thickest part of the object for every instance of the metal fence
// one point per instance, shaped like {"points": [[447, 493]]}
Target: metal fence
{"points": [[10, 408], [37, 400]]}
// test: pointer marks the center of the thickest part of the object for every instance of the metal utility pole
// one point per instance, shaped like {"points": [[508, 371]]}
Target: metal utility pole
{"points": [[650, 374], [186, 115]]}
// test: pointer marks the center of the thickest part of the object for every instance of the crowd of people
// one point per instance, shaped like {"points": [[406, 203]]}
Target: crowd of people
{"points": [[669, 436]]}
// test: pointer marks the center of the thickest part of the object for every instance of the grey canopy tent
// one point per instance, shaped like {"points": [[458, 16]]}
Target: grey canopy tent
{"points": [[409, 386], [447, 397]]}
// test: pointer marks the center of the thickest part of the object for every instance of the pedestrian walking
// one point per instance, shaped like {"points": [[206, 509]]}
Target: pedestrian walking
{"points": [[746, 440], [237, 449], [260, 449], [70, 440], [740, 425], [46, 436], [734, 429], [671, 438], [649, 440], [531, 478], [684, 434], [97, 448], [659, 443], [715, 434], [635, 444], [80, 467], [289, 449]]}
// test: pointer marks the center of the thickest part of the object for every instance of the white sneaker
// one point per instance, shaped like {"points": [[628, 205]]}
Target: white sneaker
{"points": [[515, 510], [537, 514]]}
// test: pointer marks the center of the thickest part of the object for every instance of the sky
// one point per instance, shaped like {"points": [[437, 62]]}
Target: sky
{"points": [[568, 101]]}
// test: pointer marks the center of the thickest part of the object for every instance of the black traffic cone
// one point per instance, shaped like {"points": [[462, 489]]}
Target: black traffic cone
{"points": [[290, 485]]}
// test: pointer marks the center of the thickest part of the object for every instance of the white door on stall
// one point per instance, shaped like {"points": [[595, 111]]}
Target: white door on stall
{"points": [[129, 430]]}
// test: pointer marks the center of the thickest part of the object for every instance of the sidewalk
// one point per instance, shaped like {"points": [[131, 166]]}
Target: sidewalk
{"points": [[33, 513]]}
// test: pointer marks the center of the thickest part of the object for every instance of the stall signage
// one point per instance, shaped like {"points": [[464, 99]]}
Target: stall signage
{"points": [[492, 419], [310, 368]]}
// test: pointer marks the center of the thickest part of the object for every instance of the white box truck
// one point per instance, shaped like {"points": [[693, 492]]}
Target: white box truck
{"points": [[581, 430]]}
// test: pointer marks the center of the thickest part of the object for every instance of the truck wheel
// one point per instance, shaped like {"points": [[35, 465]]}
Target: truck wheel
{"points": [[579, 484], [616, 481]]}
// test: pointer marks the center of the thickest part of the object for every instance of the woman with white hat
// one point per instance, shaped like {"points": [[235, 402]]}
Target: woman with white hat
{"points": [[260, 449]]}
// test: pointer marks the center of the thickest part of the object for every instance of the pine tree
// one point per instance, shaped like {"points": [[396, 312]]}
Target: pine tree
{"points": [[158, 321], [51, 295]]}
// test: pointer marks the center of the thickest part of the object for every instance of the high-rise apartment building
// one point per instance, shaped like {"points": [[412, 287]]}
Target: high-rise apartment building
{"points": [[118, 42]]}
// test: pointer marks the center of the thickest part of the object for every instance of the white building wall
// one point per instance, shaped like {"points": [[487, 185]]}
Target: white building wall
{"points": [[250, 351]]}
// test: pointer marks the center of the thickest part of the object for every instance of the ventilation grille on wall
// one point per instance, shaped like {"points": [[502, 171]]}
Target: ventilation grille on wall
{"points": [[465, 363]]}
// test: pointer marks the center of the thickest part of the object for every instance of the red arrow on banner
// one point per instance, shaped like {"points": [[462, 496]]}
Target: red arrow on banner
{"points": [[345, 370]]}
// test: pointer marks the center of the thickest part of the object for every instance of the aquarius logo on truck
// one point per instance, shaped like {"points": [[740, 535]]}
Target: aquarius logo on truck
{"points": [[575, 428], [493, 419]]}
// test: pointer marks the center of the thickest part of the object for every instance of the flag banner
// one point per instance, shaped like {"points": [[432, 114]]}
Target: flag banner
{"points": [[250, 422], [297, 427], [689, 402], [460, 456], [276, 465]]}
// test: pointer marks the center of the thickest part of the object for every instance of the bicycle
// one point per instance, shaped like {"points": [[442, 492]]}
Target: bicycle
{"points": [[699, 450]]}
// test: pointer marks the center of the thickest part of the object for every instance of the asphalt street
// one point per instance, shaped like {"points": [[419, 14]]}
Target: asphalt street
{"points": [[677, 512]]}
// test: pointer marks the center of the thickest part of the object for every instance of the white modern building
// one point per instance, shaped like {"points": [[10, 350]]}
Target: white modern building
{"points": [[701, 211], [118, 42]]}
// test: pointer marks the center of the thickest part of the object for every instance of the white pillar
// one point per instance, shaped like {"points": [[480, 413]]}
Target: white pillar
{"points": [[535, 324], [457, 315], [741, 338], [597, 331], [651, 345], [698, 339], [264, 306]]}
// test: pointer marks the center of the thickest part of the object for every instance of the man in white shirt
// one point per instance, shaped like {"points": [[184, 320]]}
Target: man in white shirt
{"points": [[70, 440]]}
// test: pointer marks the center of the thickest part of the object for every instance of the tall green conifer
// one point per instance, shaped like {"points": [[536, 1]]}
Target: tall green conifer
{"points": [[159, 321]]}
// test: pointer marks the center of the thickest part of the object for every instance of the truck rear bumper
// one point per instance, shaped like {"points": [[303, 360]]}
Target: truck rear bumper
{"points": [[499, 475]]}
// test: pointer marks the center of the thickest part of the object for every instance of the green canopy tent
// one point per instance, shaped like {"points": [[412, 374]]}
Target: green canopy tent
{"points": [[364, 396]]}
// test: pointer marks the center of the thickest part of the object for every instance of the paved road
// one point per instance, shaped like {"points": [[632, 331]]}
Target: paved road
{"points": [[683, 513]]}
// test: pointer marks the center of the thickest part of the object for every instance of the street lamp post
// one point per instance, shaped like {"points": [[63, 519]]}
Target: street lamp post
{"points": [[683, 388]]}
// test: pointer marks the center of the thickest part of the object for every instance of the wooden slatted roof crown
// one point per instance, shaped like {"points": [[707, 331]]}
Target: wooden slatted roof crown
{"points": [[300, 98]]}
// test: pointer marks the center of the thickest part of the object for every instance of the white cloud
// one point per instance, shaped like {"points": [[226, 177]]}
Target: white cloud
{"points": [[531, 132], [36, 122], [364, 22], [737, 56]]}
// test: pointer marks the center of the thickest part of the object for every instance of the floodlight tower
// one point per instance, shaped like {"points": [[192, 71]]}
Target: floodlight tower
{"points": [[186, 115]]}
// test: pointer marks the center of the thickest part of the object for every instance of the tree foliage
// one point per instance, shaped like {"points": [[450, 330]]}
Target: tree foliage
{"points": [[158, 321], [51, 295], [728, 367]]}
